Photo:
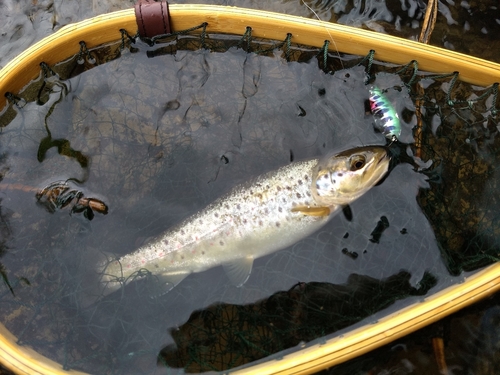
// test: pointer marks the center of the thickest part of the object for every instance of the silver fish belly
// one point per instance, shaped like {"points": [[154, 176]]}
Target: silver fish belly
{"points": [[266, 214]]}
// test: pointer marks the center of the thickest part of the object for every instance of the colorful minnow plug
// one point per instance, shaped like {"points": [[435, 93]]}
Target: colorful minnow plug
{"points": [[385, 117]]}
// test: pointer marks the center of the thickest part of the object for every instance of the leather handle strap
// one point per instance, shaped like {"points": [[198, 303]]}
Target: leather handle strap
{"points": [[152, 17]]}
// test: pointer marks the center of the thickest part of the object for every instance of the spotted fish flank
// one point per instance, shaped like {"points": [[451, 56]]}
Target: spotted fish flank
{"points": [[385, 117], [266, 214]]}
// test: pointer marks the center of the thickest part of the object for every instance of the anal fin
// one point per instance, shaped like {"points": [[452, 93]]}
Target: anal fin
{"points": [[239, 270], [163, 283], [312, 211]]}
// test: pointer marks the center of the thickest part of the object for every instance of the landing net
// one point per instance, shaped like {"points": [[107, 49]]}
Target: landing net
{"points": [[120, 142]]}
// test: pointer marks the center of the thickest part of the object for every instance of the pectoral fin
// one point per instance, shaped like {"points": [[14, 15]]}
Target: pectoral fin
{"points": [[312, 211], [239, 271]]}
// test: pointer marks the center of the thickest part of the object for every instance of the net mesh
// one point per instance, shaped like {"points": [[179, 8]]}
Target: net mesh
{"points": [[155, 130]]}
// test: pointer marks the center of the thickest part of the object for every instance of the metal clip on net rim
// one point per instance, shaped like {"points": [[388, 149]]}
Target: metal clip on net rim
{"points": [[156, 18]]}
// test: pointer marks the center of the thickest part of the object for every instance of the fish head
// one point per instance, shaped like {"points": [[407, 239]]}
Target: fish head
{"points": [[345, 176]]}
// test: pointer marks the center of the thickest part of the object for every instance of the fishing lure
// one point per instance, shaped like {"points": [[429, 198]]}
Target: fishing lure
{"points": [[385, 117]]}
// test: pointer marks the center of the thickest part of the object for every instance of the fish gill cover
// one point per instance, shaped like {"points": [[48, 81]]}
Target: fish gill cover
{"points": [[159, 132]]}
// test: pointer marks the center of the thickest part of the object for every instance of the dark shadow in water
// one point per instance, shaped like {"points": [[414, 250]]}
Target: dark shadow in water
{"points": [[5, 232], [224, 336], [63, 145], [462, 204], [63, 148]]}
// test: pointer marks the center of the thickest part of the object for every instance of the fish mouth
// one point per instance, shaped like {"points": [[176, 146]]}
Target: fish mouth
{"points": [[384, 163], [385, 156], [381, 155]]}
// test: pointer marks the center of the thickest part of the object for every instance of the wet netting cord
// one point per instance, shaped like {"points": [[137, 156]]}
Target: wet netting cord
{"points": [[246, 40], [84, 51]]}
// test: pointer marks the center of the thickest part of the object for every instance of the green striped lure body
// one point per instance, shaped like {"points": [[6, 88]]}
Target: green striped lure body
{"points": [[385, 117]]}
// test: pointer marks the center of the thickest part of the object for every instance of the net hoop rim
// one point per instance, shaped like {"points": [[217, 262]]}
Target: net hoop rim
{"points": [[222, 19]]}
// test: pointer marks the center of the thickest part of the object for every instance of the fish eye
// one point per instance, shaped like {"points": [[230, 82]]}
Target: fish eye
{"points": [[357, 162]]}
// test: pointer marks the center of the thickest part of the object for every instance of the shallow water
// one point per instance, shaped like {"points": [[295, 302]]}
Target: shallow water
{"points": [[144, 148]]}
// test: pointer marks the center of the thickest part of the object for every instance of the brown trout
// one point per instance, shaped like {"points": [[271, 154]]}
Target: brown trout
{"points": [[263, 215]]}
